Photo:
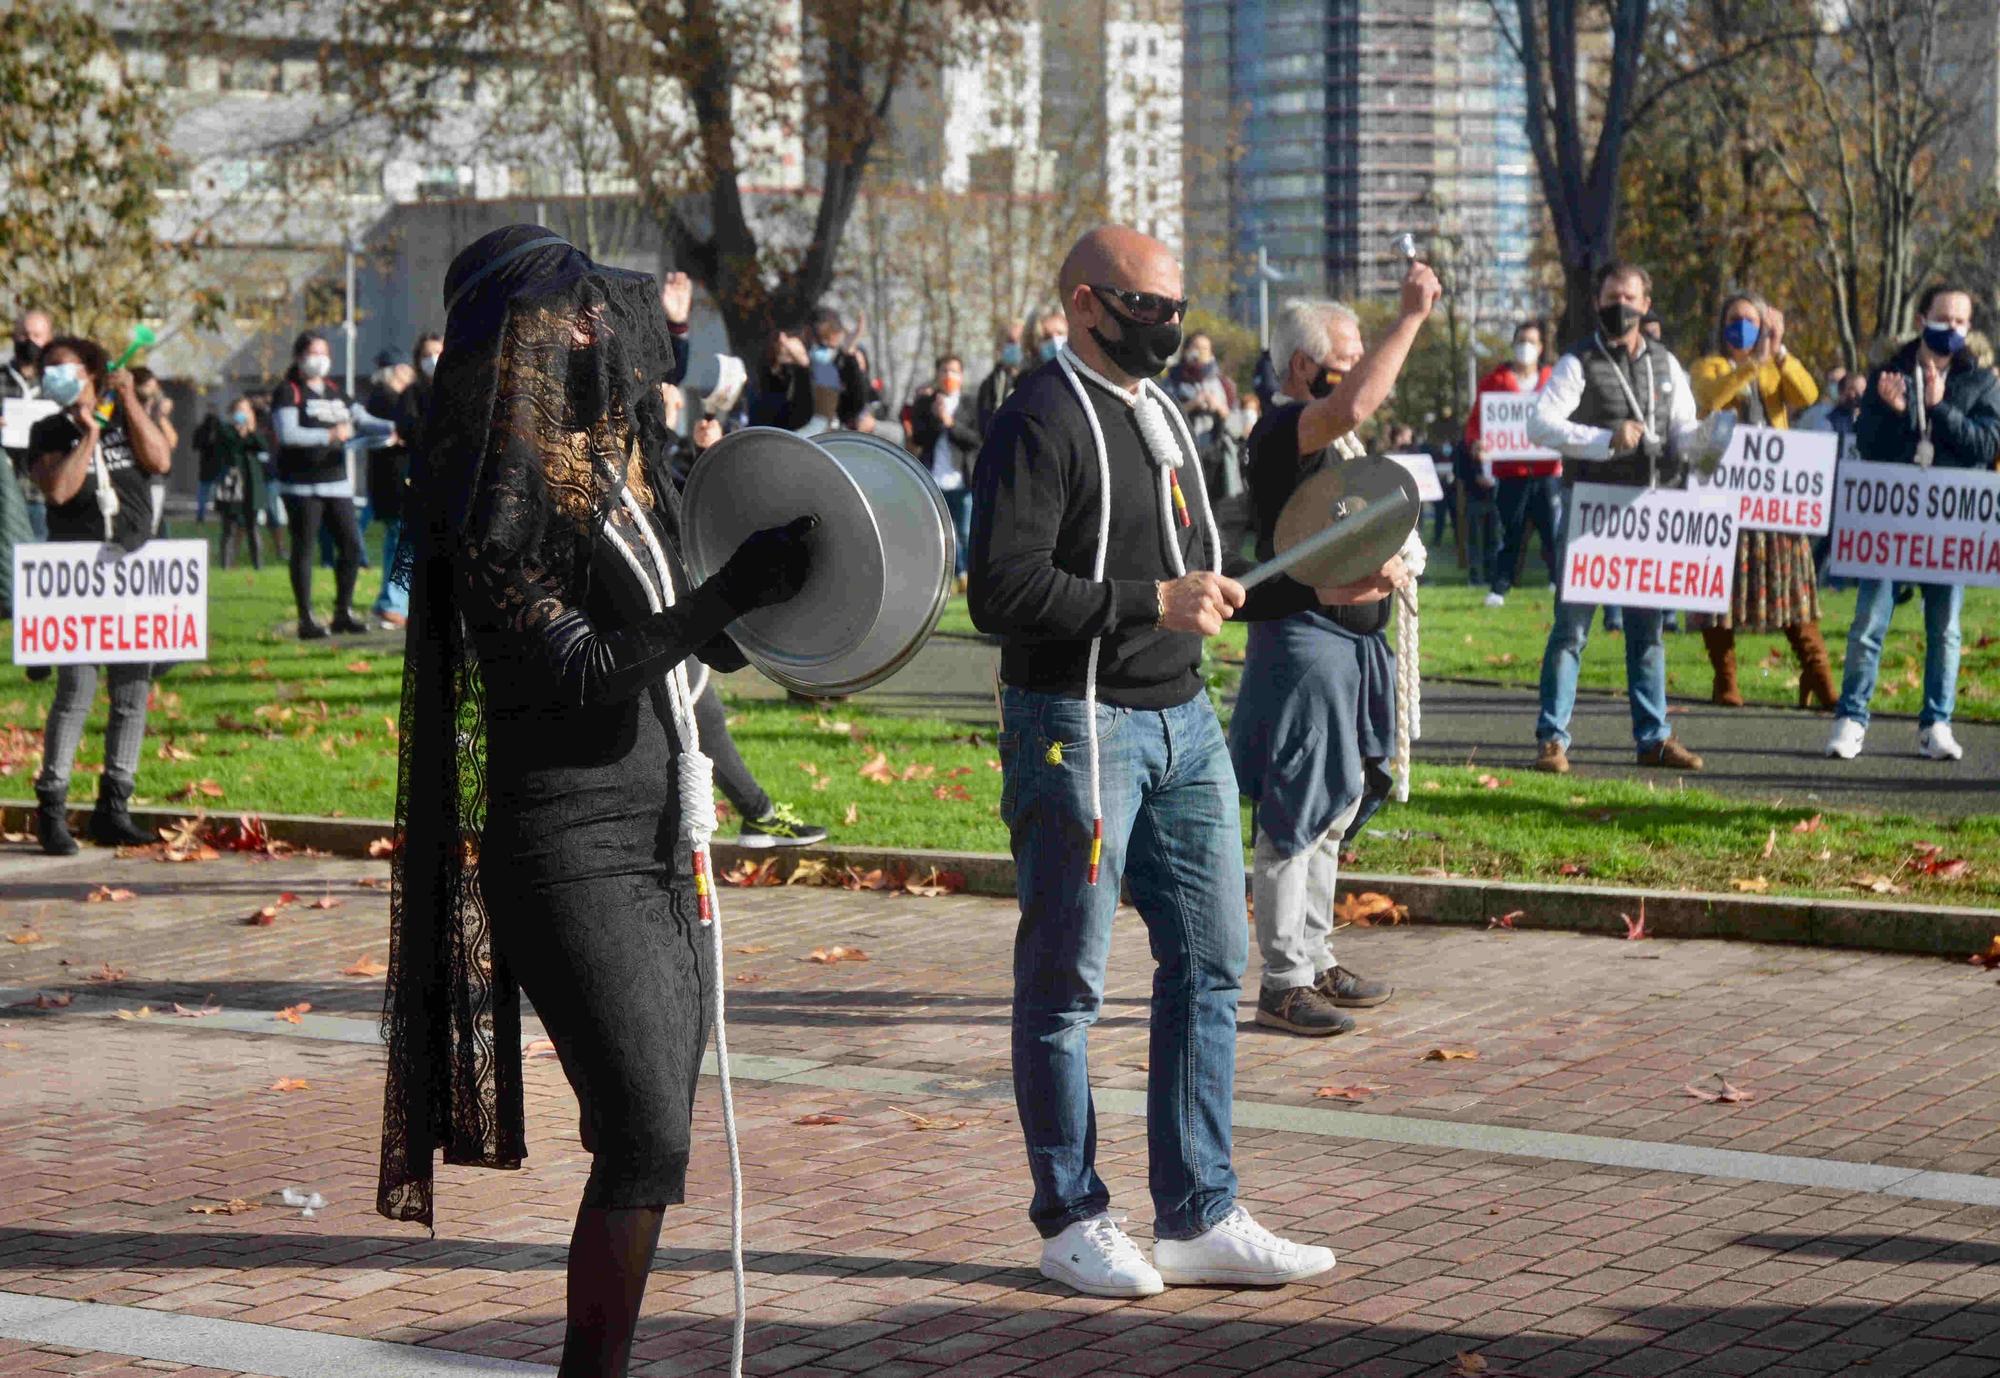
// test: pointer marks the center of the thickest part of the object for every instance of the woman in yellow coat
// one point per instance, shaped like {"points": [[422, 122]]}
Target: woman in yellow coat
{"points": [[1777, 586]]}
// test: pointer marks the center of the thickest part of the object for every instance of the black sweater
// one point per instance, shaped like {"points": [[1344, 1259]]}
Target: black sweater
{"points": [[1034, 539]]}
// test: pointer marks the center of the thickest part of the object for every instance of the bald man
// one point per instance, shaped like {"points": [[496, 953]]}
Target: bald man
{"points": [[1095, 559]]}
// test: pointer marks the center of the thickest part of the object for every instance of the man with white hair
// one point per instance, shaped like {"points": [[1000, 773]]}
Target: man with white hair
{"points": [[1314, 723]]}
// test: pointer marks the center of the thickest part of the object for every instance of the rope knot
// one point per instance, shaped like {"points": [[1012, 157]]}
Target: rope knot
{"points": [[697, 785]]}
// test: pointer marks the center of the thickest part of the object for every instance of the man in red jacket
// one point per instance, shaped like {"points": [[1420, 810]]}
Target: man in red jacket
{"points": [[1529, 489]]}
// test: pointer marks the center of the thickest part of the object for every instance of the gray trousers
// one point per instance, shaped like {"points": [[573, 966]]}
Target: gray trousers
{"points": [[124, 734], [1293, 896]]}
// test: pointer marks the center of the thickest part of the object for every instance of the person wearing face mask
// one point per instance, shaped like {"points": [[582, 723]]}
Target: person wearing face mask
{"points": [[945, 437], [1524, 490], [314, 420], [93, 471], [1753, 374], [153, 397], [840, 387], [1931, 403], [19, 381], [1096, 561], [1008, 360], [1612, 404], [1314, 728], [239, 484], [1052, 331], [1207, 396]]}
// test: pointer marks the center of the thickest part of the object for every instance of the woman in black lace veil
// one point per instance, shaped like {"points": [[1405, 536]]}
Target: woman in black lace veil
{"points": [[538, 822]]}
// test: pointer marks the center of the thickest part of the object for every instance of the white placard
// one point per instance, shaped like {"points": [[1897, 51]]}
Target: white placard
{"points": [[1503, 426], [1781, 480], [82, 603], [1650, 548], [1424, 470], [18, 416], [1921, 526]]}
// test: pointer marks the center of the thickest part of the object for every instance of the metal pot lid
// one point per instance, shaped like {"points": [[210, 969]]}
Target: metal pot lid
{"points": [[1347, 488], [761, 477]]}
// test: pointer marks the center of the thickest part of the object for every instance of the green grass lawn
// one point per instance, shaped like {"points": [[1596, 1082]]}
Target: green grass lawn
{"points": [[270, 725]]}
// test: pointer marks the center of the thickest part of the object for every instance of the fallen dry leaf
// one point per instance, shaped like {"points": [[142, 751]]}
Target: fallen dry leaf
{"points": [[1879, 885], [878, 770], [264, 917], [1755, 885], [289, 1084], [1990, 958], [294, 1014], [753, 949], [1572, 868], [1357, 1094], [143, 1012], [1451, 1055], [197, 789], [107, 894], [24, 937], [928, 1122], [852, 816], [106, 972], [1635, 929], [373, 882], [1728, 1095], [1506, 920], [1490, 782], [1809, 825], [1366, 909], [179, 1011], [538, 1047], [935, 883], [326, 902], [812, 871], [170, 751], [958, 794], [749, 874], [358, 667], [364, 965], [381, 847], [43, 1001], [236, 1205], [1771, 845], [1469, 1366], [820, 1119], [918, 771], [829, 956]]}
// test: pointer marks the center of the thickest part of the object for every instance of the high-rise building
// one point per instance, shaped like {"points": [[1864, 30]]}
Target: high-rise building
{"points": [[1322, 129]]}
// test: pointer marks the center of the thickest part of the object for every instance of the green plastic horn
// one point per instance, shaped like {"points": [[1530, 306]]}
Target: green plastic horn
{"points": [[142, 337]]}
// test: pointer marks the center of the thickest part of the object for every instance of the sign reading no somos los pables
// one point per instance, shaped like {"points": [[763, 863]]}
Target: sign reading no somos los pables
{"points": [[1781, 480], [1650, 548], [80, 603], [1922, 526]]}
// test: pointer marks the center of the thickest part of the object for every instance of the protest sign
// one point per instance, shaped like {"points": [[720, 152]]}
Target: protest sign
{"points": [[1423, 469], [1650, 548], [1503, 426], [81, 603], [1919, 526], [1782, 480], [18, 416]]}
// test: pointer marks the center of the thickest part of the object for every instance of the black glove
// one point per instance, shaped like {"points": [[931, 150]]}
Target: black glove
{"points": [[769, 567]]}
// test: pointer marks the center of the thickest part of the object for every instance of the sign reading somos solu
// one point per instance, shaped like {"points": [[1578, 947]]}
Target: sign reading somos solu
{"points": [[1918, 525], [1650, 548], [1503, 426], [80, 603]]}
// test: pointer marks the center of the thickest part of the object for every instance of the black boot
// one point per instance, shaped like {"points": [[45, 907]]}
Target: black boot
{"points": [[52, 822], [345, 623], [309, 630], [111, 823]]}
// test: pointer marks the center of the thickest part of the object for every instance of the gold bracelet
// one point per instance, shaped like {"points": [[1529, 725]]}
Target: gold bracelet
{"points": [[1160, 599]]}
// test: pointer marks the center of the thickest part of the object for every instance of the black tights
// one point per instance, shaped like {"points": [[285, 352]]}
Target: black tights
{"points": [[610, 1256], [303, 515], [239, 518], [738, 785]]}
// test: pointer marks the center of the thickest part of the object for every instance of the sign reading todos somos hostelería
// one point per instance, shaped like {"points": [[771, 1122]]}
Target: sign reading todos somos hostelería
{"points": [[1650, 548], [1917, 525], [80, 603], [1781, 480]]}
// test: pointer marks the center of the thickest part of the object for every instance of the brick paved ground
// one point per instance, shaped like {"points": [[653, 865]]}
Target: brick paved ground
{"points": [[881, 1246]]}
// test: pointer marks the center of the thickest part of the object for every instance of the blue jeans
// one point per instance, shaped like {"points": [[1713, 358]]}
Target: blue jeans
{"points": [[958, 502], [1874, 602], [1173, 832], [38, 520], [394, 597], [1518, 502], [1645, 673]]}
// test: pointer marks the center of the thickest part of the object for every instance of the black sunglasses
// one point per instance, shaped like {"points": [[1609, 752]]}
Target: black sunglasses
{"points": [[1141, 308]]}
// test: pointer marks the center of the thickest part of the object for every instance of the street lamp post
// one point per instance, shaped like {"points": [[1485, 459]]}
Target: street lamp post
{"points": [[1266, 275]]}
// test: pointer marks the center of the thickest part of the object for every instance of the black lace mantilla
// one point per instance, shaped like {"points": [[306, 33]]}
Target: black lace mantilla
{"points": [[550, 374]]}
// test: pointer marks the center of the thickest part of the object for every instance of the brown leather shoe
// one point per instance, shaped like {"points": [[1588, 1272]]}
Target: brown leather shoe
{"points": [[1552, 758], [1670, 755]]}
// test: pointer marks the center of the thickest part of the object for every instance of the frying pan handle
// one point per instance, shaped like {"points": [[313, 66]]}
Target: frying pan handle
{"points": [[1397, 510]]}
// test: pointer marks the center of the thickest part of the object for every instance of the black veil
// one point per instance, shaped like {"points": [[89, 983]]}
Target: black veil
{"points": [[546, 402]]}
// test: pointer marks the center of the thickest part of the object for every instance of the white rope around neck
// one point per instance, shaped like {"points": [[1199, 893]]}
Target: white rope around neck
{"points": [[699, 824], [1147, 402]]}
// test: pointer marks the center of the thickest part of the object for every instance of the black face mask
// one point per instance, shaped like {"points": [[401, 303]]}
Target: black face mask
{"points": [[1617, 319], [1141, 351], [1324, 382]]}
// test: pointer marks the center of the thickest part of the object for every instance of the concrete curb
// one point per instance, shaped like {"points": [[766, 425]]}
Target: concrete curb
{"points": [[1934, 930]]}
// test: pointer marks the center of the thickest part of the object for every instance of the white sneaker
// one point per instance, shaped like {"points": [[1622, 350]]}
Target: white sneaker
{"points": [[1937, 743], [1096, 1257], [1496, 600], [1240, 1251], [1846, 739]]}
